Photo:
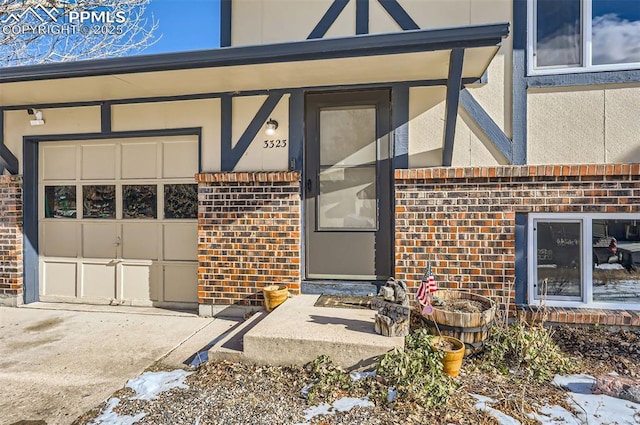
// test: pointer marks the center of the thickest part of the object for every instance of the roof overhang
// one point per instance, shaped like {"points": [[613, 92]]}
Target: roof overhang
{"points": [[416, 55]]}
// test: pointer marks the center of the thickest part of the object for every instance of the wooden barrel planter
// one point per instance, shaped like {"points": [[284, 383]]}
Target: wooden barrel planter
{"points": [[471, 328]]}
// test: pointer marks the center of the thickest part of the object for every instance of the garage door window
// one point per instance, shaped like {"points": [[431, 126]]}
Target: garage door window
{"points": [[181, 201], [99, 201], [139, 201], [60, 202]]}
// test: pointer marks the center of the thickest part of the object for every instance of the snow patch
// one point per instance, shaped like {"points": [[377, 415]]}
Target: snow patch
{"points": [[342, 405], [483, 405], [109, 417], [356, 376], [588, 408], [148, 385]]}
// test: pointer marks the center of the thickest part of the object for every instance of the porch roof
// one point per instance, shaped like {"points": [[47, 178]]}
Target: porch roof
{"points": [[415, 55]]}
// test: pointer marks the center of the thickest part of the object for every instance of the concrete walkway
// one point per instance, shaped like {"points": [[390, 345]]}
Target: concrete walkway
{"points": [[59, 360]]}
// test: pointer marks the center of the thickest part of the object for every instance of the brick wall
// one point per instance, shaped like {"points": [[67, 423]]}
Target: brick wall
{"points": [[464, 218], [11, 270], [249, 228]]}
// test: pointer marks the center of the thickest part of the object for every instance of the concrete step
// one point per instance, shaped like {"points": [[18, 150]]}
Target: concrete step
{"points": [[229, 346], [297, 332]]}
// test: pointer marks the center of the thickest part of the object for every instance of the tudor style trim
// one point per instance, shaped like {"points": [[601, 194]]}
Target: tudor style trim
{"points": [[305, 50], [8, 160], [231, 154], [226, 14], [492, 130], [328, 19], [454, 85], [399, 15]]}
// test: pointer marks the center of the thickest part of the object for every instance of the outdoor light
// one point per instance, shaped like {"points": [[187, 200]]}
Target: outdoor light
{"points": [[272, 125], [37, 115]]}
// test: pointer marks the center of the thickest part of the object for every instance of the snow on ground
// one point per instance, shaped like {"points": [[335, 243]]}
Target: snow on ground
{"points": [[148, 385], [342, 405], [109, 417], [588, 408]]}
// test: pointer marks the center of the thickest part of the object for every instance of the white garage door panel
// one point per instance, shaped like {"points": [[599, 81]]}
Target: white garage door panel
{"points": [[137, 282], [119, 247], [181, 283], [59, 279], [60, 239], [99, 162], [135, 168], [140, 241], [99, 240], [98, 281], [180, 241], [60, 163]]}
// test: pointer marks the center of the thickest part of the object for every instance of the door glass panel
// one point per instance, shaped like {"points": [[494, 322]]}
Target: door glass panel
{"points": [[99, 201], [348, 136], [60, 202], [616, 261], [139, 201], [348, 153], [559, 260], [181, 201], [347, 198]]}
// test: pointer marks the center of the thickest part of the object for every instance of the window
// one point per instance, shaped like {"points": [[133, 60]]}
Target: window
{"points": [[181, 201], [589, 260], [583, 35], [139, 201], [99, 201], [60, 202]]}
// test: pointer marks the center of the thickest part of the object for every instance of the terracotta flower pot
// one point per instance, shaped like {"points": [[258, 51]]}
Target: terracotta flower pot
{"points": [[452, 360], [274, 295]]}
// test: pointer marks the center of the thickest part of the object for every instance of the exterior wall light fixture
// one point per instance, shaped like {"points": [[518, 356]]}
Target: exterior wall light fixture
{"points": [[37, 115], [272, 126]]}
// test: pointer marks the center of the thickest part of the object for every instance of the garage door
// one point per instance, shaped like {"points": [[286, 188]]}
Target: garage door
{"points": [[118, 221]]}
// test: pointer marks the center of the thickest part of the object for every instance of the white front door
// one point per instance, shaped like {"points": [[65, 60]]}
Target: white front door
{"points": [[118, 221]]}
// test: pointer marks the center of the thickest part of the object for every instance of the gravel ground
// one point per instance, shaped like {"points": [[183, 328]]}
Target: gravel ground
{"points": [[229, 394]]}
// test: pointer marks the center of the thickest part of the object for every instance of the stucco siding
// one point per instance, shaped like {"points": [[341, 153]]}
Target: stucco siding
{"points": [[57, 121], [166, 115], [566, 126], [622, 126]]}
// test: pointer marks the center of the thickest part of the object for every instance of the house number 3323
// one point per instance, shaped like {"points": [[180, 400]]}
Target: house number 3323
{"points": [[270, 144]]}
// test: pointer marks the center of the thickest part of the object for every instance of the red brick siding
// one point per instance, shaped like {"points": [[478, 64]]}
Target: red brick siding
{"points": [[249, 228], [464, 218], [11, 270]]}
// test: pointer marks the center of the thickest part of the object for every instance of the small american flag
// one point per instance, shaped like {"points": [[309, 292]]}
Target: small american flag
{"points": [[427, 287]]}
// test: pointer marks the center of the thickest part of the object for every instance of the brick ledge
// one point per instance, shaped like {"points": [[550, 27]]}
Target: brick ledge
{"points": [[583, 170], [577, 315], [249, 177]]}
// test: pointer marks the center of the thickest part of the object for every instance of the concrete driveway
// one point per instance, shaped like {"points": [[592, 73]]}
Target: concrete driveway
{"points": [[56, 361]]}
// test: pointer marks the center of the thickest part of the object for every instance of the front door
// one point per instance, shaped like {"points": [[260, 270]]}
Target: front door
{"points": [[348, 186]]}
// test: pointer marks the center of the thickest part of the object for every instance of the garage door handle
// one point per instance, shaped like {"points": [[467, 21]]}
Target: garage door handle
{"points": [[117, 242]]}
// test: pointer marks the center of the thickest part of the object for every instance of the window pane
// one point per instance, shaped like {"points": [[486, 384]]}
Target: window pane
{"points": [[558, 39], [616, 261], [347, 198], [558, 260], [181, 201], [60, 202], [99, 201], [139, 201], [615, 31]]}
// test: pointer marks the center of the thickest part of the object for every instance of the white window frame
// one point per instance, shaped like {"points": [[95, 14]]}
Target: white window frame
{"points": [[587, 59], [586, 221]]}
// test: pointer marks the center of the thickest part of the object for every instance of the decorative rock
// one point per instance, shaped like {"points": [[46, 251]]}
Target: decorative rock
{"points": [[618, 387]]}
